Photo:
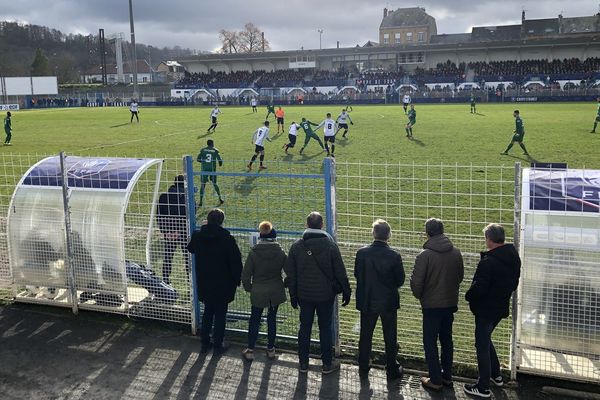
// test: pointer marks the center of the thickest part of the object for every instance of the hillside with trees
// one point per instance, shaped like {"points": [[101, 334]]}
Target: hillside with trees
{"points": [[38, 50]]}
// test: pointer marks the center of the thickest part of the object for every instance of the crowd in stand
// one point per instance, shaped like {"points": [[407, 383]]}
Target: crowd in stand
{"points": [[315, 274], [532, 67], [284, 77], [379, 78]]}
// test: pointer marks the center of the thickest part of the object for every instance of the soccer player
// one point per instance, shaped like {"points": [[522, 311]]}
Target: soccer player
{"points": [[342, 123], [597, 117], [134, 108], [310, 134], [213, 115], [473, 107], [279, 114], [406, 100], [253, 103], [329, 130], [270, 110], [258, 139], [208, 158], [8, 128], [518, 135], [348, 105], [292, 136], [412, 120]]}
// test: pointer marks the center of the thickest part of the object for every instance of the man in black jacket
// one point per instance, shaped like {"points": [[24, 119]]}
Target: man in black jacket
{"points": [[218, 274], [496, 278], [313, 267], [171, 219], [379, 274]]}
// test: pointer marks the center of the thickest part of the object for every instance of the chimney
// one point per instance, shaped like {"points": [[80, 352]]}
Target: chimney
{"points": [[338, 44], [523, 16], [560, 24], [385, 12]]}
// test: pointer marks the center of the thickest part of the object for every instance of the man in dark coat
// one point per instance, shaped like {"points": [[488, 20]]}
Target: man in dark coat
{"points": [[435, 281], [218, 274], [314, 265], [171, 219], [496, 278], [379, 274]]}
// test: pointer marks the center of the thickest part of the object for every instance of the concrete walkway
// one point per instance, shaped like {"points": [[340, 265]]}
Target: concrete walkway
{"points": [[47, 353]]}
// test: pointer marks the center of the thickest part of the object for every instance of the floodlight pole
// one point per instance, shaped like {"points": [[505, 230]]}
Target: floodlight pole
{"points": [[320, 30], [134, 62]]}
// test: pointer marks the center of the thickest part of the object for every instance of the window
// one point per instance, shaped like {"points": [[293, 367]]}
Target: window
{"points": [[409, 36], [421, 36], [386, 38], [397, 38]]}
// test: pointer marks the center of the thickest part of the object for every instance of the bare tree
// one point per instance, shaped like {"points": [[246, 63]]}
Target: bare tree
{"points": [[251, 39], [230, 41]]}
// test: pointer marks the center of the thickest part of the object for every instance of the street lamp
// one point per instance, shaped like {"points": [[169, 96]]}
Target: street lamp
{"points": [[320, 30], [134, 62]]}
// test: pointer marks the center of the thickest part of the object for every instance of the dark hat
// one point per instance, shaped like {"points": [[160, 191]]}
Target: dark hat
{"points": [[179, 179]]}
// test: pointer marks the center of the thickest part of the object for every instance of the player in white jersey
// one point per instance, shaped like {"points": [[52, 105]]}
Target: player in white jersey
{"points": [[329, 130], [213, 115], [342, 121], [134, 108], [406, 100], [258, 139], [292, 136], [254, 103]]}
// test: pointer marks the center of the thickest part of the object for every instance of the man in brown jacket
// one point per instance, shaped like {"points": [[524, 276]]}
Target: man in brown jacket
{"points": [[435, 281]]}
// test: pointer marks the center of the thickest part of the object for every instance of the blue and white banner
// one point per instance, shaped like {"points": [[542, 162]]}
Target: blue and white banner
{"points": [[84, 172], [9, 107], [572, 190]]}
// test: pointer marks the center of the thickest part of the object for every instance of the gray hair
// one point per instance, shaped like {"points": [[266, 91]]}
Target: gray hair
{"points": [[494, 232], [434, 227], [381, 230]]}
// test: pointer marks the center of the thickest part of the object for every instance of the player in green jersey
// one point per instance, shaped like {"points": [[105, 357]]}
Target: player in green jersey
{"points": [[270, 110], [473, 106], [597, 117], [8, 128], [518, 135], [310, 134], [208, 158], [412, 120]]}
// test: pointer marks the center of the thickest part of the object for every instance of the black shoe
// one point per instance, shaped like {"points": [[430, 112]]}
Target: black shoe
{"points": [[218, 350], [497, 381], [473, 390], [303, 368], [220, 202], [394, 374], [331, 368]]}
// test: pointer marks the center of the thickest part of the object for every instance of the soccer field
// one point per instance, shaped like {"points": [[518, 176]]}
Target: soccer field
{"points": [[443, 134], [375, 178]]}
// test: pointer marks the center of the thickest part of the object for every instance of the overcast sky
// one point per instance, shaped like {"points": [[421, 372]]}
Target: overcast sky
{"points": [[288, 24]]}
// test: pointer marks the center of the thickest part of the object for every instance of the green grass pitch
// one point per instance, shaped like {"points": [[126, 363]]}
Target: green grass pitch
{"points": [[444, 134]]}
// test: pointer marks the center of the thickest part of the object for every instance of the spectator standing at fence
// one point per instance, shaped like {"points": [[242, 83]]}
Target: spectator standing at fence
{"points": [[259, 137], [280, 114], [307, 125], [412, 120], [292, 136], [172, 223], [518, 134], [597, 117], [379, 274], [435, 282], [262, 278], [208, 158], [8, 128], [316, 275], [134, 109], [218, 274], [496, 278], [214, 115]]}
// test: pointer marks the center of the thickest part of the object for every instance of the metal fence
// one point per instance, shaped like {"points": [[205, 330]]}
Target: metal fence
{"points": [[466, 198]]}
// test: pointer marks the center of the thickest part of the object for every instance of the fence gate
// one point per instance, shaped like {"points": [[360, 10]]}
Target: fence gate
{"points": [[558, 330], [284, 193]]}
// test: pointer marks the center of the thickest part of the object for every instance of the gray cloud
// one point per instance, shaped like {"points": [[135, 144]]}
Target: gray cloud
{"points": [[287, 24]]}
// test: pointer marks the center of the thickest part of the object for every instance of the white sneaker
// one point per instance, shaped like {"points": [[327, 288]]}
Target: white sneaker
{"points": [[248, 354]]}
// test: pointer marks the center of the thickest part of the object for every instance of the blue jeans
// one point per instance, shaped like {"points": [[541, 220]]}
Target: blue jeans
{"points": [[437, 324], [254, 326], [325, 319], [216, 312], [487, 359]]}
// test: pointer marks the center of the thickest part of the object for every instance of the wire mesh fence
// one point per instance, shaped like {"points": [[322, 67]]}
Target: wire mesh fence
{"points": [[466, 198]]}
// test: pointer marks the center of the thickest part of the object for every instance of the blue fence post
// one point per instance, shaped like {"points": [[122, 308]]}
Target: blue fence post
{"points": [[188, 164], [330, 221]]}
